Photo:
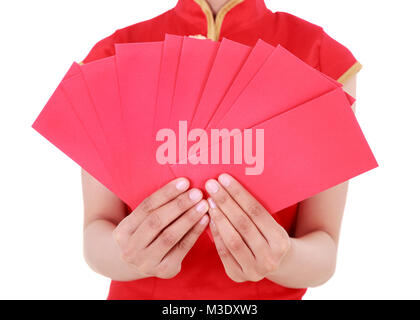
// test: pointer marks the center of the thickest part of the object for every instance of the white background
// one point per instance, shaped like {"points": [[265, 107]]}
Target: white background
{"points": [[41, 200]]}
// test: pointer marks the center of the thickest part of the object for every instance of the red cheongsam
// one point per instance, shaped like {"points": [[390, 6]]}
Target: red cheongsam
{"points": [[245, 21]]}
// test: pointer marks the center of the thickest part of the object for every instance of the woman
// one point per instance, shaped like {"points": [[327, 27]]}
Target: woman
{"points": [[158, 251]]}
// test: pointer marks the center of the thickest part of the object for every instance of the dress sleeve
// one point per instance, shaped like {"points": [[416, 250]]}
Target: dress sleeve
{"points": [[104, 48], [336, 60]]}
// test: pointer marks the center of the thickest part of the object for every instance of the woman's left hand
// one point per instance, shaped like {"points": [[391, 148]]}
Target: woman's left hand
{"points": [[250, 243]]}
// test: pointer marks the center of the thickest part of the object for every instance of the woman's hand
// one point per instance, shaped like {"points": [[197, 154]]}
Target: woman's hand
{"points": [[251, 244], [158, 234]]}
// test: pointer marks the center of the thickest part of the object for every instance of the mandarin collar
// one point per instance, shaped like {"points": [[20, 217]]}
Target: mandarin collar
{"points": [[231, 17]]}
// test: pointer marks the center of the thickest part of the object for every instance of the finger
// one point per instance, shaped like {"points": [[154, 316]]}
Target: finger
{"points": [[178, 252], [239, 219], [165, 194], [232, 267], [256, 212], [159, 219], [231, 238], [178, 229]]}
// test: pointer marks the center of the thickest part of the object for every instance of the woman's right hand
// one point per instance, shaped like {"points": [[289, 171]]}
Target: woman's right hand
{"points": [[158, 234]]}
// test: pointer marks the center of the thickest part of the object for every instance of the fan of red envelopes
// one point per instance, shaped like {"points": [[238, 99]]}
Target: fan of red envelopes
{"points": [[197, 108]]}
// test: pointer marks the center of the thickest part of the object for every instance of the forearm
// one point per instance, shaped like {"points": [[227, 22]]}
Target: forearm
{"points": [[103, 255], [309, 262]]}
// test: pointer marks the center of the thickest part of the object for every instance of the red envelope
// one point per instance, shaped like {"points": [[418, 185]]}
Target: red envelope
{"points": [[59, 124], [211, 108], [80, 99], [172, 47], [105, 116], [196, 60], [307, 150], [282, 83], [228, 62], [102, 84], [138, 67], [259, 54]]}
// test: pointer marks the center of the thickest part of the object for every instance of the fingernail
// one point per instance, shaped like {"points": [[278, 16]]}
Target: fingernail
{"points": [[195, 195], [204, 220], [202, 207], [182, 185], [211, 186], [225, 180], [211, 203]]}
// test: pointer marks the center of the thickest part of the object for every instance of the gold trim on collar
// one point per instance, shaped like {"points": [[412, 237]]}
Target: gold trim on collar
{"points": [[215, 26], [355, 68], [222, 13]]}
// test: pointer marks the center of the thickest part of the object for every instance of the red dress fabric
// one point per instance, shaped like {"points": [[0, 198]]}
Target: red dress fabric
{"points": [[245, 21]]}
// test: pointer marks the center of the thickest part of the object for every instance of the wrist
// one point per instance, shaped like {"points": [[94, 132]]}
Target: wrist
{"points": [[281, 269]]}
